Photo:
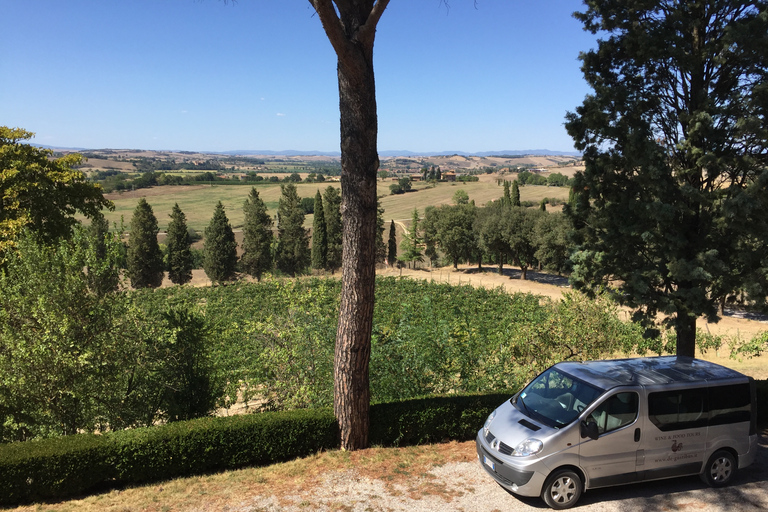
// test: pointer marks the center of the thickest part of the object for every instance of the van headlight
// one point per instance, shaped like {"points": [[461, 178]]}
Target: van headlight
{"points": [[488, 422], [528, 447]]}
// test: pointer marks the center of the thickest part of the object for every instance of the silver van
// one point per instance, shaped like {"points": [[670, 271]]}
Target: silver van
{"points": [[580, 426]]}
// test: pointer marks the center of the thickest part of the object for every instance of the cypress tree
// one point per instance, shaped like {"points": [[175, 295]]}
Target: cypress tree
{"points": [[392, 245], [332, 209], [381, 247], [179, 248], [219, 248], [100, 241], [257, 236], [506, 200], [293, 253], [319, 238], [515, 194], [145, 261]]}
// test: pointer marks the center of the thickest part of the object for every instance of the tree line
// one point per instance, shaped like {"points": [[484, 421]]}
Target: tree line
{"points": [[500, 232], [285, 249], [115, 180]]}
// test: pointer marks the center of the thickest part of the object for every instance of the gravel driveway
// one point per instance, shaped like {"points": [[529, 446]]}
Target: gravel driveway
{"points": [[464, 486]]}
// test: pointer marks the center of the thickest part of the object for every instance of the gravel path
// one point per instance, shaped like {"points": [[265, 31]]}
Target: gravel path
{"points": [[464, 486]]}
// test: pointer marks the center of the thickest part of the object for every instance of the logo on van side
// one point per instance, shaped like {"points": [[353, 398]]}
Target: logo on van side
{"points": [[676, 446]]}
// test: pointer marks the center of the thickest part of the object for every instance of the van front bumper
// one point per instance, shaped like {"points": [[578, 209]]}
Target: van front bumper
{"points": [[519, 480]]}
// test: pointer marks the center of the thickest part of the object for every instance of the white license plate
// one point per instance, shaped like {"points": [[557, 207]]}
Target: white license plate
{"points": [[488, 462]]}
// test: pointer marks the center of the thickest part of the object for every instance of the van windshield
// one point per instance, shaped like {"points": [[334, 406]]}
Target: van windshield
{"points": [[555, 398]]}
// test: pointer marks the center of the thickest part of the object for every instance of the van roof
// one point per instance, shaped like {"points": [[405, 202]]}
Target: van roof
{"points": [[648, 371]]}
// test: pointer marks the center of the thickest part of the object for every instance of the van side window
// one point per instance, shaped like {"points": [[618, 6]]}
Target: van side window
{"points": [[729, 404], [615, 412], [679, 409]]}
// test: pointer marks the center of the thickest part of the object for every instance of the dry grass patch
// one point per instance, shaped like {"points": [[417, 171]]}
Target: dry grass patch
{"points": [[300, 483]]}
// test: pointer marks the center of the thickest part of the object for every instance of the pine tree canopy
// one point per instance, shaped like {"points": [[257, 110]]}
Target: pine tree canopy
{"points": [[673, 201]]}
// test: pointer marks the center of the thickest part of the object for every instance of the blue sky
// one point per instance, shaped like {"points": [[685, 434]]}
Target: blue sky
{"points": [[202, 75]]}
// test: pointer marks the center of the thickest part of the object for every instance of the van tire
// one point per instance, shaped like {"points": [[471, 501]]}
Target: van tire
{"points": [[719, 469], [562, 489]]}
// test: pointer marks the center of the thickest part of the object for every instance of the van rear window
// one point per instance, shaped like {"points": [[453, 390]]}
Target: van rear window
{"points": [[699, 407], [729, 404]]}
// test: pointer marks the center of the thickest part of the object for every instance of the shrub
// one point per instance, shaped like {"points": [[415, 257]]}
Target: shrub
{"points": [[68, 466], [431, 420]]}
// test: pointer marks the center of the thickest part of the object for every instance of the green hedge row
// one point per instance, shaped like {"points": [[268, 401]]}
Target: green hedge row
{"points": [[59, 468]]}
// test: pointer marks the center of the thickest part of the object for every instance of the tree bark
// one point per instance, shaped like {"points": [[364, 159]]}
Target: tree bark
{"points": [[685, 328], [351, 33]]}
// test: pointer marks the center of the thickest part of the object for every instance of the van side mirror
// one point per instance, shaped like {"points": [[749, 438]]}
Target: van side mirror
{"points": [[589, 429]]}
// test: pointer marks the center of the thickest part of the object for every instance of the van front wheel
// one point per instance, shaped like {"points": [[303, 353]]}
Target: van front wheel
{"points": [[562, 489], [719, 469]]}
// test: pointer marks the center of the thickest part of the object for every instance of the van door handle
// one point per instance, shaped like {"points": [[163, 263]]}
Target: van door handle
{"points": [[637, 434]]}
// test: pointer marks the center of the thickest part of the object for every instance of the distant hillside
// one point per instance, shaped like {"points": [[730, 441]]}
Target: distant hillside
{"points": [[336, 154]]}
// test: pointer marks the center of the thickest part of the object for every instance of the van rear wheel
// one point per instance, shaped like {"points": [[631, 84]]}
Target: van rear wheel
{"points": [[562, 489], [720, 469]]}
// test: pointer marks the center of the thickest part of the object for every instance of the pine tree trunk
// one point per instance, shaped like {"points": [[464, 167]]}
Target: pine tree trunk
{"points": [[359, 165], [685, 328]]}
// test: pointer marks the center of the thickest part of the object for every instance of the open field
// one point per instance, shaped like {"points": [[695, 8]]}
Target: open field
{"points": [[198, 201]]}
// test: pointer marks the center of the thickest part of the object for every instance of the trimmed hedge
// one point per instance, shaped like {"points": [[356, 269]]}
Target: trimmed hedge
{"points": [[431, 420], [69, 466], [52, 468], [63, 467]]}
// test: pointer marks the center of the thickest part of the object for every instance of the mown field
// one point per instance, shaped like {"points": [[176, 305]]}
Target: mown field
{"points": [[198, 201]]}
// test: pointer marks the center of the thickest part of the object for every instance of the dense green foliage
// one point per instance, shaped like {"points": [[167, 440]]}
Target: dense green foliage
{"points": [[65, 341], [39, 193], [75, 355], [293, 255], [319, 235], [515, 194], [60, 468], [411, 244], [274, 340], [452, 228], [145, 260], [551, 239], [380, 244], [675, 142], [179, 248], [332, 210], [257, 237], [520, 235], [219, 248], [392, 243]]}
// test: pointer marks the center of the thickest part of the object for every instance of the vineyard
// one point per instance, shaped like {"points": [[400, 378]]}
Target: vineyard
{"points": [[273, 342]]}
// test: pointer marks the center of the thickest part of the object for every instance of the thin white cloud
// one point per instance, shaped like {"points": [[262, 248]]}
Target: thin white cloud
{"points": [[280, 114]]}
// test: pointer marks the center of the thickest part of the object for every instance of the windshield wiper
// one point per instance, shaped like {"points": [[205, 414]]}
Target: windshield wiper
{"points": [[522, 402]]}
